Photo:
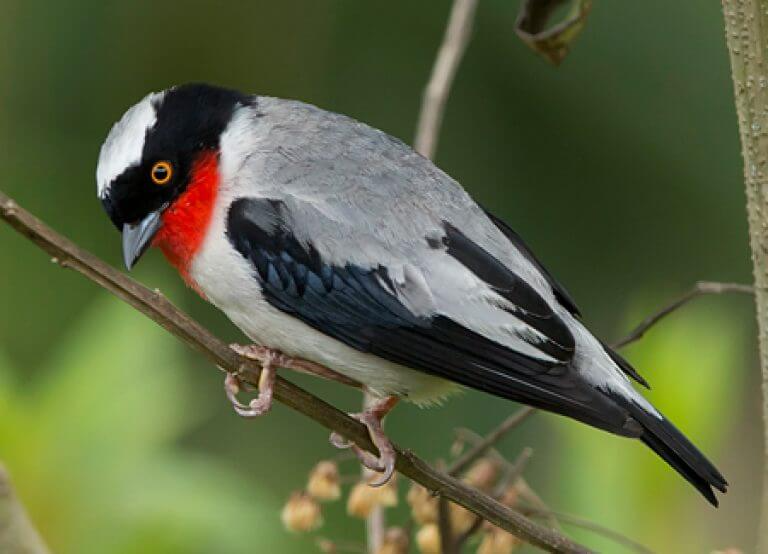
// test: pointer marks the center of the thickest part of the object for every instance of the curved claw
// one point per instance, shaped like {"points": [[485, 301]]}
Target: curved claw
{"points": [[231, 389], [256, 407], [339, 442], [385, 462], [388, 470], [263, 402]]}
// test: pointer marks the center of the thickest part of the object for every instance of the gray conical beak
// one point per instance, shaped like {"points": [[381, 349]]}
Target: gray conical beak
{"points": [[138, 237]]}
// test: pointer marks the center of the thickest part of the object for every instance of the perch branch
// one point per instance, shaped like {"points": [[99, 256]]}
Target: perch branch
{"points": [[455, 41], [159, 309]]}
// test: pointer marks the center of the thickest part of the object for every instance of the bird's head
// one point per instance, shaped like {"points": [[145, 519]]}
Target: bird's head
{"points": [[150, 156]]}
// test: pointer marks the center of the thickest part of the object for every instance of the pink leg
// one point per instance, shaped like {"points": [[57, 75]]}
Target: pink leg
{"points": [[270, 360], [260, 405], [372, 418]]}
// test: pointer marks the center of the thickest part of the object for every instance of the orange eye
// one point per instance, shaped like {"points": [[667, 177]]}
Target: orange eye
{"points": [[162, 173]]}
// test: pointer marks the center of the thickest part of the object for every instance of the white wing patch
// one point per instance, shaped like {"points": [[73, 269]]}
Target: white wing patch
{"points": [[411, 289], [447, 288], [125, 142]]}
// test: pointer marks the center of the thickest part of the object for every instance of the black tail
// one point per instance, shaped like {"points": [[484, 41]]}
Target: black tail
{"points": [[678, 452]]}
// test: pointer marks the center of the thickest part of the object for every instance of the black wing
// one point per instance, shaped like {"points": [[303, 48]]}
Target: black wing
{"points": [[359, 307], [562, 295]]}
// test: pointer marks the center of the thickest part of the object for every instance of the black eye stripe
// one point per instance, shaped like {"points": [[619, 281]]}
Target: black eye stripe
{"points": [[189, 119]]}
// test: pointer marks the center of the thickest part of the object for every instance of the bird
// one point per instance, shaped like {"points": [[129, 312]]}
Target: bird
{"points": [[340, 251]]}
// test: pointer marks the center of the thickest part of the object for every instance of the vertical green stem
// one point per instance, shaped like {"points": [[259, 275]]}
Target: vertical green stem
{"points": [[746, 31]]}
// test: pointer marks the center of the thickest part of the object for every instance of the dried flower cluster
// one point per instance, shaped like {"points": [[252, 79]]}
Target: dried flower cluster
{"points": [[363, 498], [485, 475], [303, 513]]}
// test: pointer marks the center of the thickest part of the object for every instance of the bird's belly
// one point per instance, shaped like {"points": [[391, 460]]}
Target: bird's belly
{"points": [[228, 282], [268, 326]]}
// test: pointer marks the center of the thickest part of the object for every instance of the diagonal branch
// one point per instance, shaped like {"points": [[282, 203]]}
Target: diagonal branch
{"points": [[155, 306], [701, 288]]}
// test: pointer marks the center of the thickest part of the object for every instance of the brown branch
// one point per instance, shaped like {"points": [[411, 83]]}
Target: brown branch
{"points": [[526, 492], [462, 539], [159, 309], [455, 41], [513, 472], [699, 289], [445, 528]]}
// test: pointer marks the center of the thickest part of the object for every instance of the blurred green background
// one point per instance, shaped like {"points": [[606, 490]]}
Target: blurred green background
{"points": [[621, 168]]}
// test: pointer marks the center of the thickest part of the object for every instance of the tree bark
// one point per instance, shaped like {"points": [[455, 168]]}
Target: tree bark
{"points": [[746, 32]]}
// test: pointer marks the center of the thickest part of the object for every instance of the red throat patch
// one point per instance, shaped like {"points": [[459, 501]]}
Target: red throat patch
{"points": [[186, 221]]}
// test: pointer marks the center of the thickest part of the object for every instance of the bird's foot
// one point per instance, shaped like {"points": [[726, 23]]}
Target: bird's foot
{"points": [[270, 360], [372, 419]]}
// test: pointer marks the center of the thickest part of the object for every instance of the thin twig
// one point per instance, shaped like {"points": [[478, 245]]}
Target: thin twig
{"points": [[526, 491], [476, 438], [17, 534], [699, 289], [376, 522], [159, 309], [490, 440], [457, 35], [582, 523], [462, 539], [445, 528], [513, 472]]}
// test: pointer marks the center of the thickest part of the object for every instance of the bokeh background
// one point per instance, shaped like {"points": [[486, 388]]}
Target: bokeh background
{"points": [[621, 169]]}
